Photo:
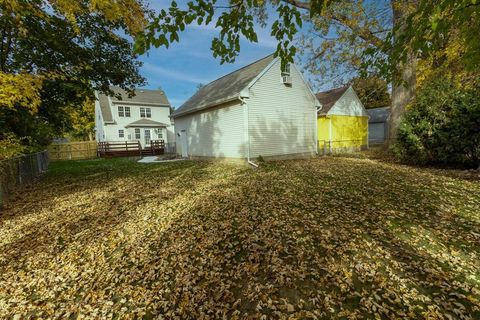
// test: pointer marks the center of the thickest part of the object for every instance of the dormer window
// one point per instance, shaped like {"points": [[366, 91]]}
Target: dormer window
{"points": [[145, 112]]}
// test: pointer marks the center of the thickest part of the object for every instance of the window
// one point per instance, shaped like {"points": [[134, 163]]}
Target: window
{"points": [[286, 70], [145, 112], [137, 133], [121, 113], [127, 112], [121, 133], [160, 134]]}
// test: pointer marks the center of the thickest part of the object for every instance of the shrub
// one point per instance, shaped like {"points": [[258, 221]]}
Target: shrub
{"points": [[10, 146], [442, 126]]}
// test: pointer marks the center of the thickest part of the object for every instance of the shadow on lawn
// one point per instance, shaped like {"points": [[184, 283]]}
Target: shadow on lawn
{"points": [[90, 207], [265, 240], [303, 238]]}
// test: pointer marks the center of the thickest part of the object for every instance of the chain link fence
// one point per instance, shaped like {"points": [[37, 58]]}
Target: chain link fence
{"points": [[20, 170]]}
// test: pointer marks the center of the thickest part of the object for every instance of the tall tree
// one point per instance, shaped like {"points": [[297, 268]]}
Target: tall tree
{"points": [[365, 39], [54, 53], [372, 91]]}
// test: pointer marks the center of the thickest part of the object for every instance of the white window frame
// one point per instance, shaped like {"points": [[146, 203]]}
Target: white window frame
{"points": [[287, 70], [127, 112], [145, 112], [121, 133], [160, 133], [121, 112], [138, 135]]}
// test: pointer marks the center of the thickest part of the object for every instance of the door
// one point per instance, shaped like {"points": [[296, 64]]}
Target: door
{"points": [[184, 143], [147, 136], [376, 132]]}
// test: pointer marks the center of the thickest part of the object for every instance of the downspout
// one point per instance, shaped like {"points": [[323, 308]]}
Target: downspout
{"points": [[368, 135], [330, 134], [247, 135], [316, 130]]}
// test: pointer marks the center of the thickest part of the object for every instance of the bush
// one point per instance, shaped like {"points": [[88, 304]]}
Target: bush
{"points": [[442, 126], [10, 146]]}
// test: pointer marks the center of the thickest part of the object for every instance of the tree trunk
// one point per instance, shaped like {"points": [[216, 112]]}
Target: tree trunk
{"points": [[403, 90]]}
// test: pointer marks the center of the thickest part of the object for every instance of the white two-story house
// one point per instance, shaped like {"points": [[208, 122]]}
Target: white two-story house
{"points": [[144, 117]]}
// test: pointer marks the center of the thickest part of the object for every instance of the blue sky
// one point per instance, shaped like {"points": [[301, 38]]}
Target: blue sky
{"points": [[180, 68]]}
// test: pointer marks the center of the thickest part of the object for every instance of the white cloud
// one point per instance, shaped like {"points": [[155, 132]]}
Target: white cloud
{"points": [[173, 74]]}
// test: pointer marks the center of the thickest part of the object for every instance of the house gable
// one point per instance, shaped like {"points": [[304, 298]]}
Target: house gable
{"points": [[225, 89], [281, 117], [348, 105]]}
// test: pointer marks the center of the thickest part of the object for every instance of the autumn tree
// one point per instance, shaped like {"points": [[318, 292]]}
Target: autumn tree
{"points": [[372, 91], [54, 53], [367, 30], [82, 120]]}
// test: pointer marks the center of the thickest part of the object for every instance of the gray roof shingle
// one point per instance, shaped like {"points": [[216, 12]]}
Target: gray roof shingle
{"points": [[105, 108], [328, 98], [223, 89], [146, 123]]}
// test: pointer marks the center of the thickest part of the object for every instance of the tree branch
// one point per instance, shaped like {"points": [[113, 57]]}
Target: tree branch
{"points": [[362, 32]]}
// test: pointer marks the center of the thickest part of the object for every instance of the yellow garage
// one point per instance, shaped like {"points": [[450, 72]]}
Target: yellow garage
{"points": [[342, 121]]}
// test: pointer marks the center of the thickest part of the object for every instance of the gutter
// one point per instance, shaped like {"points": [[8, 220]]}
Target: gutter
{"points": [[214, 104], [247, 134], [330, 134]]}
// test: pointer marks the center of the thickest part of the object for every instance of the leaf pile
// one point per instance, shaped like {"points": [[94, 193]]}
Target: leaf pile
{"points": [[324, 238]]}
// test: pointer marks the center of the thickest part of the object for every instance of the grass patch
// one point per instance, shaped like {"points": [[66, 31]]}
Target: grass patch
{"points": [[332, 237]]}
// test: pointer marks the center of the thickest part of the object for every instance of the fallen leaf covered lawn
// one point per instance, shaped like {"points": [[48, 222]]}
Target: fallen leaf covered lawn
{"points": [[325, 238]]}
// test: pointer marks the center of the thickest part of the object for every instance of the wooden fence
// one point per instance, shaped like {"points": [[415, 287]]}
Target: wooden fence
{"points": [[73, 150], [21, 170]]}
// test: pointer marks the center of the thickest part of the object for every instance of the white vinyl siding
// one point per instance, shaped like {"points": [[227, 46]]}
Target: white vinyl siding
{"points": [[216, 132], [348, 105], [282, 117]]}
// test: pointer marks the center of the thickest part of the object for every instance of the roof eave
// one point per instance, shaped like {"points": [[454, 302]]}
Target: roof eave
{"points": [[140, 103], [146, 126], [208, 106]]}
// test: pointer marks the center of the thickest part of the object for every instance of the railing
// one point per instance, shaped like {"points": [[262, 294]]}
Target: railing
{"points": [[129, 148], [119, 148], [338, 146], [157, 147], [20, 170]]}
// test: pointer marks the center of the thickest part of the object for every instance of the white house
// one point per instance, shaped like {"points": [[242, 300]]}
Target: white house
{"points": [[258, 110], [144, 117]]}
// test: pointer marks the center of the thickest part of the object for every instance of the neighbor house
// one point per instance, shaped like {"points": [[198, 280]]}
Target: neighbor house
{"points": [[258, 110], [342, 121], [378, 125], [143, 117]]}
